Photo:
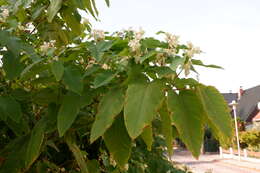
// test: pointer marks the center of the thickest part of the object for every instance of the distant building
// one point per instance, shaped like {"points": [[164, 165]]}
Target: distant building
{"points": [[248, 108]]}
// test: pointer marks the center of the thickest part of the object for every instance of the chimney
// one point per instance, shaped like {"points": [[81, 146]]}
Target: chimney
{"points": [[240, 93]]}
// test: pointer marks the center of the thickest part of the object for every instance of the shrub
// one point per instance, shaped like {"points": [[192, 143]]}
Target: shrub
{"points": [[250, 140]]}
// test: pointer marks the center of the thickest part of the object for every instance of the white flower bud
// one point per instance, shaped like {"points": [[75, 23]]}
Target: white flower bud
{"points": [[98, 35], [44, 48], [134, 44], [139, 34], [85, 21], [105, 66], [192, 50], [5, 13], [47, 45]]}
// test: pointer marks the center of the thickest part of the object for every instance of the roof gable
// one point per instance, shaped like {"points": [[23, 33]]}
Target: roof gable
{"points": [[248, 102]]}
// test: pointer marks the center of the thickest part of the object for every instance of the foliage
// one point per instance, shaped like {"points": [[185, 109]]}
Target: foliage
{"points": [[250, 139], [210, 143], [73, 99]]}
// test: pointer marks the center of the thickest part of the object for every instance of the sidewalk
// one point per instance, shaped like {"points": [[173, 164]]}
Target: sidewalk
{"points": [[242, 163]]}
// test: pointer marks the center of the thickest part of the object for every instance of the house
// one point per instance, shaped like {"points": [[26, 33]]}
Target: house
{"points": [[248, 108]]}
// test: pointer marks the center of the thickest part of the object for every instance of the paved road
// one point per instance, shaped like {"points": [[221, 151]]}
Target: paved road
{"points": [[213, 164]]}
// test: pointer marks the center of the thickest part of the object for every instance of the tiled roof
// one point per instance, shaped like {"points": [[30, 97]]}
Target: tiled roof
{"points": [[229, 97], [248, 103]]}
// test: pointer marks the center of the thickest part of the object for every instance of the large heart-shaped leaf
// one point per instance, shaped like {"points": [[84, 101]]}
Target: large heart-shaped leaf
{"points": [[187, 116], [217, 112], [142, 102]]}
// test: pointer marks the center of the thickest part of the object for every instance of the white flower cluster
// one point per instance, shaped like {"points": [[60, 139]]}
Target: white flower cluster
{"points": [[98, 34], [4, 15], [172, 40], [47, 45], [192, 50], [135, 43]]}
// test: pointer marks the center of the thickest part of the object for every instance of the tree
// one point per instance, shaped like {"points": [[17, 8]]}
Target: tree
{"points": [[74, 98]]}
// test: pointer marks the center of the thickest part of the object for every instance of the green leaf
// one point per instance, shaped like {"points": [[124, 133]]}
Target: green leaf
{"points": [[10, 108], [98, 50], [91, 70], [107, 2], [104, 78], [12, 65], [94, 6], [167, 127], [44, 96], [176, 62], [15, 150], [142, 102], [73, 79], [147, 136], [29, 67], [164, 71], [93, 166], [20, 94], [147, 56], [68, 112], [57, 69], [86, 97], [53, 9], [200, 63], [13, 44], [38, 11], [217, 112], [51, 118], [183, 82], [71, 18], [88, 5], [118, 142], [71, 142], [20, 128], [175, 132], [152, 43], [160, 32], [109, 107], [187, 116], [35, 142]]}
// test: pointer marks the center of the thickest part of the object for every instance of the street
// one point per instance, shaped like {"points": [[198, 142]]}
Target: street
{"points": [[213, 164]]}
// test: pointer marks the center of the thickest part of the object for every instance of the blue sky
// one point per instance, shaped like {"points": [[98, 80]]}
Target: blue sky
{"points": [[228, 31]]}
